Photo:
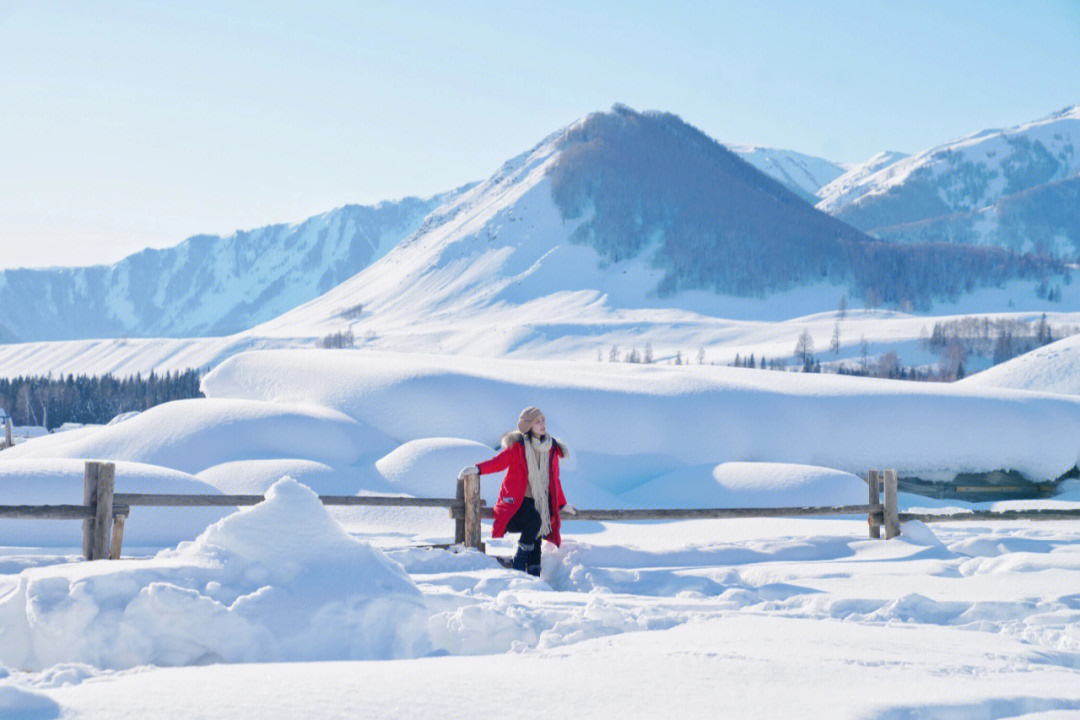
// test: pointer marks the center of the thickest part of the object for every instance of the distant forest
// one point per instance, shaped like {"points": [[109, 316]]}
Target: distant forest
{"points": [[53, 401], [648, 182]]}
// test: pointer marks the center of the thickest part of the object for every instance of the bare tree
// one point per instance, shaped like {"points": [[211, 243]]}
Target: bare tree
{"points": [[834, 344], [804, 347]]}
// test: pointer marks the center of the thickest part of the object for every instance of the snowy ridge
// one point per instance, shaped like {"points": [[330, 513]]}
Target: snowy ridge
{"points": [[941, 193], [207, 285], [852, 178], [805, 175]]}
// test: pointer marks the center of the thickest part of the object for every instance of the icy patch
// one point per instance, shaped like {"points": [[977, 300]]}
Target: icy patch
{"points": [[278, 581]]}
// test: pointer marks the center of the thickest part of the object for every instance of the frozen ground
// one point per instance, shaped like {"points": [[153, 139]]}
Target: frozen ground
{"points": [[738, 618]]}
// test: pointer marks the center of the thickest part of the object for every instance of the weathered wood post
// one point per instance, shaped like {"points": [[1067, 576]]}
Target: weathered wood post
{"points": [[7, 432], [98, 481], [90, 479], [892, 513], [873, 484], [472, 512], [459, 518], [117, 537]]}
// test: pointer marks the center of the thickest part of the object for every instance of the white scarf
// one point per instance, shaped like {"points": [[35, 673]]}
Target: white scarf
{"points": [[536, 460]]}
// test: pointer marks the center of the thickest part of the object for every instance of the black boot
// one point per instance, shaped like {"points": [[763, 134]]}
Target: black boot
{"points": [[521, 557], [533, 566]]}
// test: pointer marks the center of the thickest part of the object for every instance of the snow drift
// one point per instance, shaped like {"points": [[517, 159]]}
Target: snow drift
{"points": [[192, 435], [278, 581], [670, 417]]}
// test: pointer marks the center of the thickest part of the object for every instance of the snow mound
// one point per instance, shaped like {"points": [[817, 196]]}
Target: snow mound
{"points": [[429, 467], [60, 482], [279, 581], [690, 415], [192, 435], [744, 485]]}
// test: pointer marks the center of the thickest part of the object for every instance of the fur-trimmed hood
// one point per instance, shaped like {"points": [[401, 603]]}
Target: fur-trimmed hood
{"points": [[516, 437]]}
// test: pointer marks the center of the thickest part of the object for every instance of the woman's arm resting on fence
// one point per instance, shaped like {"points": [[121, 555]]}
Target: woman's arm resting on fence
{"points": [[497, 463]]}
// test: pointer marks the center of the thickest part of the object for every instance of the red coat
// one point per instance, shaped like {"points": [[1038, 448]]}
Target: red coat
{"points": [[512, 492]]}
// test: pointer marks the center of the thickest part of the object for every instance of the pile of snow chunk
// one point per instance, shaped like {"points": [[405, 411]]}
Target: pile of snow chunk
{"points": [[59, 481], [688, 415], [192, 435], [279, 581]]}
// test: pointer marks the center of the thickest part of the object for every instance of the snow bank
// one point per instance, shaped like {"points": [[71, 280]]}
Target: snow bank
{"points": [[254, 477], [278, 581], [741, 484], [673, 417], [192, 435], [1051, 368], [60, 482]]}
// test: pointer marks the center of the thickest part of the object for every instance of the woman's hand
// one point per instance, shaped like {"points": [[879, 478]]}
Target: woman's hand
{"points": [[470, 470], [569, 509]]}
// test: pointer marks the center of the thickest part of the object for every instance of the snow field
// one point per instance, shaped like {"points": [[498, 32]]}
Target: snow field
{"points": [[671, 417], [702, 616]]}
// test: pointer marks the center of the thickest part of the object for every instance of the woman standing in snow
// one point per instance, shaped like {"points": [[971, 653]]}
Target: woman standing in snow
{"points": [[531, 496]]}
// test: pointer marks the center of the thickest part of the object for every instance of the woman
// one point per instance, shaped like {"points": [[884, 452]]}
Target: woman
{"points": [[531, 496]]}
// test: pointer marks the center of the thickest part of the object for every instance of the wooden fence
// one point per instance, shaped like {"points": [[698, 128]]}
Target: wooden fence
{"points": [[105, 511]]}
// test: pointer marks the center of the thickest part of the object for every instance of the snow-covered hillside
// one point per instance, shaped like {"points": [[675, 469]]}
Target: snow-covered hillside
{"points": [[803, 174], [1016, 188], [206, 285], [1052, 368], [854, 176]]}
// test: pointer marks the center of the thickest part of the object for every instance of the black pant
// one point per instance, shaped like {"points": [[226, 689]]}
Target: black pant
{"points": [[527, 522]]}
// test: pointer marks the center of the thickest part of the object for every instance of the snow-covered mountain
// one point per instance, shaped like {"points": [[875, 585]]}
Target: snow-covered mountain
{"points": [[206, 285], [803, 174], [632, 210], [624, 228], [1017, 188]]}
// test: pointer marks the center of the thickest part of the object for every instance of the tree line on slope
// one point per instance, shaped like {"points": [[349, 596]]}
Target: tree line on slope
{"points": [[650, 183], [52, 401]]}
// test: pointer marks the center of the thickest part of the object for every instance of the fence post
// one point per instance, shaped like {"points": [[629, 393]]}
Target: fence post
{"points": [[873, 484], [472, 512], [892, 517], [90, 481], [103, 518], [117, 537], [459, 519]]}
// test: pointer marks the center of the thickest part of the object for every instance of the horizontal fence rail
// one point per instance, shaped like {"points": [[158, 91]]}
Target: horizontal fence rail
{"points": [[103, 509], [161, 500], [992, 515], [705, 513]]}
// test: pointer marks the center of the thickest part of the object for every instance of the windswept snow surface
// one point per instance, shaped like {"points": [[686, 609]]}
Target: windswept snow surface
{"points": [[665, 418]]}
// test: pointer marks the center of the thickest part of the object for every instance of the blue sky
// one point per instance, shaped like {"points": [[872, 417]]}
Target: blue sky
{"points": [[127, 125]]}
